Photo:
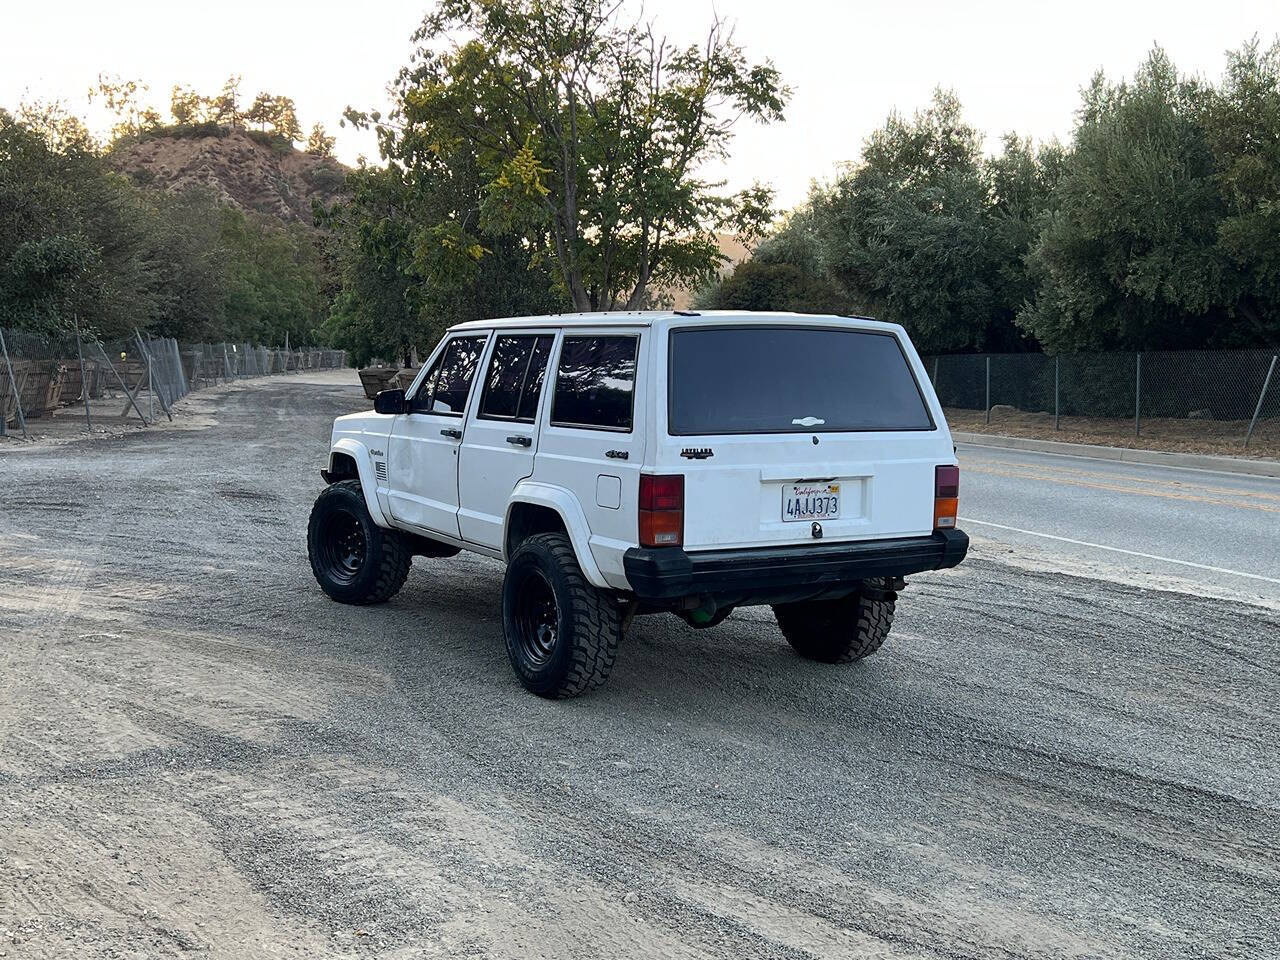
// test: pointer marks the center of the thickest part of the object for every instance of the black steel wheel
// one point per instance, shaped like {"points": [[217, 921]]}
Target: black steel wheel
{"points": [[562, 633], [341, 546], [353, 559], [536, 617]]}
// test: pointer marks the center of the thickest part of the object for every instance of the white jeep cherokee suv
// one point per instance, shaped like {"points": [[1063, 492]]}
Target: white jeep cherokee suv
{"points": [[625, 463]]}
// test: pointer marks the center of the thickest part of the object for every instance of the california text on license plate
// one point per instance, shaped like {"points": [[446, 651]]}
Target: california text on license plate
{"points": [[810, 501]]}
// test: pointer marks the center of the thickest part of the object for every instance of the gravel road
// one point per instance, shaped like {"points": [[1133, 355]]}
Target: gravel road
{"points": [[200, 755]]}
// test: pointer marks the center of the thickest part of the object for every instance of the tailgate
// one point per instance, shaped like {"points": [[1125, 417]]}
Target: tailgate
{"points": [[778, 427]]}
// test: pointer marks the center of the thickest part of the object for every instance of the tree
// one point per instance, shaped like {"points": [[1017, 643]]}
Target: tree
{"points": [[906, 232], [59, 129], [586, 135], [185, 105], [225, 107], [284, 119], [1130, 258], [123, 98], [318, 144], [403, 282], [261, 111], [1241, 120]]}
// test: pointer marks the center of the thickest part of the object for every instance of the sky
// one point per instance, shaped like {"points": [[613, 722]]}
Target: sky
{"points": [[1015, 64]]}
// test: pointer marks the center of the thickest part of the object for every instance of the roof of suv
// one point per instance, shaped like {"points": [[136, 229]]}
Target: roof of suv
{"points": [[636, 318]]}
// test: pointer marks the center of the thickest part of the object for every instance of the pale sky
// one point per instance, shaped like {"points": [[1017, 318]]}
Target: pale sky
{"points": [[1016, 64]]}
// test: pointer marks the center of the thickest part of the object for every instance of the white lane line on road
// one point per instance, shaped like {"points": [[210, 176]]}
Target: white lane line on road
{"points": [[1132, 553]]}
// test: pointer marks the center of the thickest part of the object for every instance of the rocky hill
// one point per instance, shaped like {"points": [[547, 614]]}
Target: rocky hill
{"points": [[246, 169]]}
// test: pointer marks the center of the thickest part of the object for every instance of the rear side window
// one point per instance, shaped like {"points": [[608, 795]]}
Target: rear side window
{"points": [[790, 380], [446, 385], [595, 383], [516, 372]]}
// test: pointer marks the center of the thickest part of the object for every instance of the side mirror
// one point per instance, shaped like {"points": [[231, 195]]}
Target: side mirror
{"points": [[389, 401]]}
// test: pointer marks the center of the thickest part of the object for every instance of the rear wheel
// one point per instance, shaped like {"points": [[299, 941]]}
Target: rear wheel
{"points": [[839, 631], [353, 559], [562, 633]]}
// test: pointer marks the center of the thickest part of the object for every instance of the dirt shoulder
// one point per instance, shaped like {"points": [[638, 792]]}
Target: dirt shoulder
{"points": [[1222, 438]]}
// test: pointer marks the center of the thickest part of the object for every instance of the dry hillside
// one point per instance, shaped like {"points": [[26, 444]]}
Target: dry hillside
{"points": [[246, 173]]}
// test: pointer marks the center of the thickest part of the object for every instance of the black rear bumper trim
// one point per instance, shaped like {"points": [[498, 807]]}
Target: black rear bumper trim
{"points": [[668, 573]]}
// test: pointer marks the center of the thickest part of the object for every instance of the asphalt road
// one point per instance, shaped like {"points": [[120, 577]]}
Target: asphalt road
{"points": [[1221, 530], [200, 755]]}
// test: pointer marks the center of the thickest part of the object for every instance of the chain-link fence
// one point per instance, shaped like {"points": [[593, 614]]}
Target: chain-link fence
{"points": [[45, 378], [1216, 400]]}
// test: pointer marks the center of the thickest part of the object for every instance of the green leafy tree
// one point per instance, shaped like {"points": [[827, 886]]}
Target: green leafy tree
{"points": [[1130, 257], [403, 278], [1241, 120], [906, 232], [586, 135]]}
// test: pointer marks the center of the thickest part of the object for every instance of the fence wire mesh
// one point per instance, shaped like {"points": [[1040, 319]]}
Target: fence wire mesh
{"points": [[44, 377], [1214, 399]]}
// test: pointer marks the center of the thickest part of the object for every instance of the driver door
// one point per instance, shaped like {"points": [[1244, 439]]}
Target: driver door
{"points": [[422, 461]]}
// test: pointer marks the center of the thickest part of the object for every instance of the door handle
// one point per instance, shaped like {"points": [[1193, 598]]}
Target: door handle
{"points": [[521, 441], [452, 433]]}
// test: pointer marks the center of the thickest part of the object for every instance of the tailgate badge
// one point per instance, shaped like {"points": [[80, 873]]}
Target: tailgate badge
{"points": [[816, 530], [697, 453]]}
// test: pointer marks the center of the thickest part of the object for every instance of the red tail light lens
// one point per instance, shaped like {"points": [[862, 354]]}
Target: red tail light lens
{"points": [[661, 510], [946, 496]]}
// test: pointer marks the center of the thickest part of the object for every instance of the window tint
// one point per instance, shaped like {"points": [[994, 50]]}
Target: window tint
{"points": [[515, 378], [446, 385], [790, 380], [595, 383]]}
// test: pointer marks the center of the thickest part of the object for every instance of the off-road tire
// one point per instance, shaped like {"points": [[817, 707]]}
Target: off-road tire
{"points": [[383, 556], [839, 631], [579, 655]]}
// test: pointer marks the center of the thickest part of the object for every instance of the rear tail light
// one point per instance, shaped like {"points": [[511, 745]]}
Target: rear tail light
{"points": [[661, 510], [946, 496]]}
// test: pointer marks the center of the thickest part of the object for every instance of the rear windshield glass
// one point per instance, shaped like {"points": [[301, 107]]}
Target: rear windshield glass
{"points": [[790, 380]]}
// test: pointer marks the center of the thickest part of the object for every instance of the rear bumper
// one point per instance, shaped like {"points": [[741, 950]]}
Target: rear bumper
{"points": [[779, 574]]}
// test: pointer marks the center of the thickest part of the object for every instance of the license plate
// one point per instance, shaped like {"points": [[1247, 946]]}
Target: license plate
{"points": [[810, 501]]}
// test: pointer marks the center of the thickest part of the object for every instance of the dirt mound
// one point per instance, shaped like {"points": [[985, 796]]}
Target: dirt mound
{"points": [[246, 170]]}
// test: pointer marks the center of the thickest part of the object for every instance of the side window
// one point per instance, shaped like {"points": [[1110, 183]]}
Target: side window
{"points": [[445, 387], [595, 383], [516, 372]]}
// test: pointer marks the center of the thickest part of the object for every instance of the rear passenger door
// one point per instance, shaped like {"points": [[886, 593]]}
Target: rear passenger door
{"points": [[502, 435], [593, 441]]}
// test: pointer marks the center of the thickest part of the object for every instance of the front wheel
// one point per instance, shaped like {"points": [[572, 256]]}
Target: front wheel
{"points": [[562, 633], [353, 559], [839, 631]]}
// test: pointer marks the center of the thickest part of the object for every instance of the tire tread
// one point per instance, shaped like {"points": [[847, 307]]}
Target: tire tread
{"points": [[387, 549], [596, 625], [839, 631]]}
